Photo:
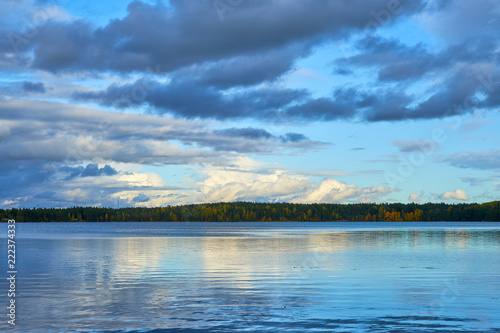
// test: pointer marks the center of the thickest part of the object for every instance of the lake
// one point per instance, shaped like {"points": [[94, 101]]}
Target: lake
{"points": [[255, 277]]}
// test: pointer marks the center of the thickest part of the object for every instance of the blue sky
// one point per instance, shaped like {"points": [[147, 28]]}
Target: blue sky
{"points": [[152, 103]]}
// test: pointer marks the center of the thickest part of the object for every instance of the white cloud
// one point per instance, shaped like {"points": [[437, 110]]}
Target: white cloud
{"points": [[251, 180], [415, 197], [247, 179], [332, 190], [455, 195], [141, 179]]}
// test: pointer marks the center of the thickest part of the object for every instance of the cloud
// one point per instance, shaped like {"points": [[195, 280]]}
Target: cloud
{"points": [[249, 180], [261, 134], [183, 34], [91, 170], [394, 60], [58, 132], [464, 20], [73, 152], [232, 68], [415, 197], [249, 132], [321, 109], [51, 184], [455, 195], [242, 70], [475, 181], [141, 198], [412, 146], [243, 179], [293, 137], [201, 69], [35, 87], [332, 190], [481, 160], [465, 69], [45, 195], [457, 97], [474, 125], [189, 100], [197, 78]]}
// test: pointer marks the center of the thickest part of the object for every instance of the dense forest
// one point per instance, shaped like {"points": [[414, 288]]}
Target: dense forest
{"points": [[249, 211]]}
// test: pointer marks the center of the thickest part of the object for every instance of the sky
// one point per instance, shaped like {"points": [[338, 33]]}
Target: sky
{"points": [[154, 103]]}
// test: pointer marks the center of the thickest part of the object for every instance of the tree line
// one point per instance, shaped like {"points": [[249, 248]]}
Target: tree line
{"points": [[251, 211]]}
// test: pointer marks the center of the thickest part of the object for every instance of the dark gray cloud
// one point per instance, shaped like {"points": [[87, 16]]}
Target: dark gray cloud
{"points": [[259, 134], [36, 87], [293, 137], [249, 133], [457, 95], [192, 99], [322, 109], [185, 33], [394, 60], [245, 70], [465, 69], [386, 105], [482, 160], [186, 99], [254, 136], [91, 170]]}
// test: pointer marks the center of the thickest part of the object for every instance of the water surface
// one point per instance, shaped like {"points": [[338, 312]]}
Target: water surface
{"points": [[256, 277]]}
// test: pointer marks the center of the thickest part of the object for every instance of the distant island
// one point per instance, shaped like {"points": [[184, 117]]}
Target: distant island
{"points": [[252, 212]]}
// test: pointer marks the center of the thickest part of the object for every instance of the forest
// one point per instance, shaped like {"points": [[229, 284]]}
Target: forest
{"points": [[251, 211]]}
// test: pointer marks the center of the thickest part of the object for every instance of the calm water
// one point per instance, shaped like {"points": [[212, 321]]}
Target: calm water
{"points": [[255, 277]]}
